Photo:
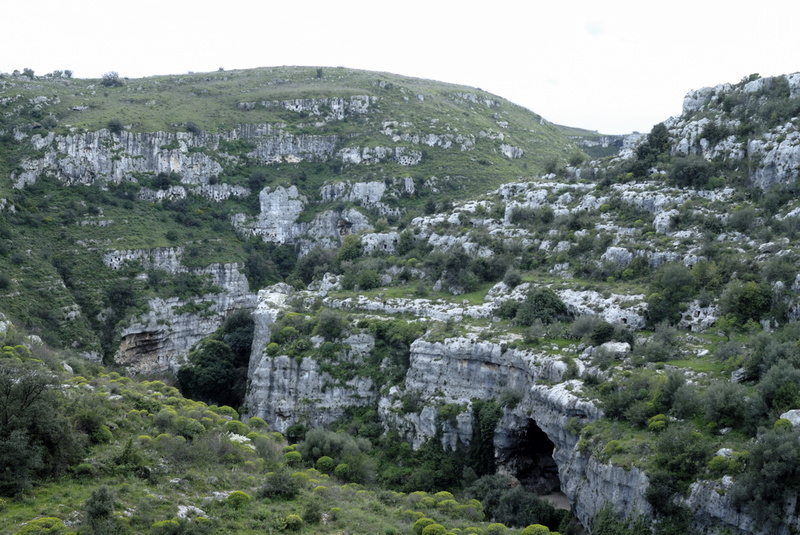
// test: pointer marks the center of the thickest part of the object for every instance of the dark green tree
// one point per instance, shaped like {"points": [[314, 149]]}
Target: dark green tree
{"points": [[211, 375], [746, 301], [100, 513], [36, 440], [690, 171], [541, 304], [771, 477], [111, 79]]}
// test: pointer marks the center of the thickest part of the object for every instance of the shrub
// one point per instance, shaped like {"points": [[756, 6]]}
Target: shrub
{"points": [[718, 466], [512, 278], [495, 529], [782, 424], [682, 454], [100, 511], [111, 79], [780, 388], [236, 427], [294, 522], [771, 476], [258, 423], [342, 471], [690, 171], [606, 522], [728, 405], [43, 526], [746, 301], [165, 527], [541, 304], [280, 484], [332, 325], [114, 126], [312, 511], [657, 423], [325, 464], [602, 332], [434, 529], [535, 529], [421, 524], [293, 458], [237, 499]]}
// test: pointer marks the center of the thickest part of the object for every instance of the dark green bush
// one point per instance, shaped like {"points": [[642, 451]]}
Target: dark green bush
{"points": [[280, 484], [541, 304], [690, 171], [771, 476]]}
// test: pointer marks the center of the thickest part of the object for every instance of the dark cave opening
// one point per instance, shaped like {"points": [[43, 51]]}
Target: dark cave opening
{"points": [[533, 461]]}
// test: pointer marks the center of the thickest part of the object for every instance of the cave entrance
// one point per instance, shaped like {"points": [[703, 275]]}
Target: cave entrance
{"points": [[533, 461]]}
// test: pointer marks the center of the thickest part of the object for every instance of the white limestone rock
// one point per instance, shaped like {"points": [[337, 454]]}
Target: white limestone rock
{"points": [[617, 255], [793, 416], [159, 340]]}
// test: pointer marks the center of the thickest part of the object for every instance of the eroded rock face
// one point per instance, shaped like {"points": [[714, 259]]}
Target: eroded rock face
{"points": [[278, 221], [115, 157], [773, 156], [457, 371], [159, 340]]}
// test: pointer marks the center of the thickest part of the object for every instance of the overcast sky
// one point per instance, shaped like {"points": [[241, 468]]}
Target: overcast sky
{"points": [[611, 66]]}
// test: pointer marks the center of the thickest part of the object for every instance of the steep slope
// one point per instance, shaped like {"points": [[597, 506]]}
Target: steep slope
{"points": [[125, 172], [752, 124], [693, 243], [450, 271]]}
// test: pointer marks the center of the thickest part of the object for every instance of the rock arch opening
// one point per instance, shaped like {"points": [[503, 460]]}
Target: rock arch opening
{"points": [[531, 460]]}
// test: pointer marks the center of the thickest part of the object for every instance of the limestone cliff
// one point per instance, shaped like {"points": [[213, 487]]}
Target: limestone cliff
{"points": [[158, 340], [535, 434], [751, 122]]}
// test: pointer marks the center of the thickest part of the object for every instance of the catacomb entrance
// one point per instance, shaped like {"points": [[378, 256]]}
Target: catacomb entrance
{"points": [[532, 460]]}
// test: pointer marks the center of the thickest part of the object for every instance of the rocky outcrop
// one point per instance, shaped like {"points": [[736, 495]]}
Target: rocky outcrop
{"points": [[712, 126], [167, 259], [159, 340], [278, 221], [284, 390], [107, 156], [325, 109], [456, 371]]}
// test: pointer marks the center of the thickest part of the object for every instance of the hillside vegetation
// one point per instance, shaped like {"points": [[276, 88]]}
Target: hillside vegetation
{"points": [[360, 262], [51, 235]]}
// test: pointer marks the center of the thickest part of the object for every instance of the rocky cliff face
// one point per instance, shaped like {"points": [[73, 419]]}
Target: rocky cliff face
{"points": [[535, 431], [158, 341], [456, 371], [120, 156], [751, 122]]}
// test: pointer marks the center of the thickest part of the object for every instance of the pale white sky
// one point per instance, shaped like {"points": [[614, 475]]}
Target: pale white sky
{"points": [[612, 66]]}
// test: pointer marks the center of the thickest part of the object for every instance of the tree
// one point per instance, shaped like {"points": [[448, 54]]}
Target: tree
{"points": [[690, 171], [772, 475], [655, 146], [114, 126], [350, 250], [671, 287], [35, 439], [111, 79], [746, 301], [210, 374], [100, 512], [541, 304], [332, 325]]}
